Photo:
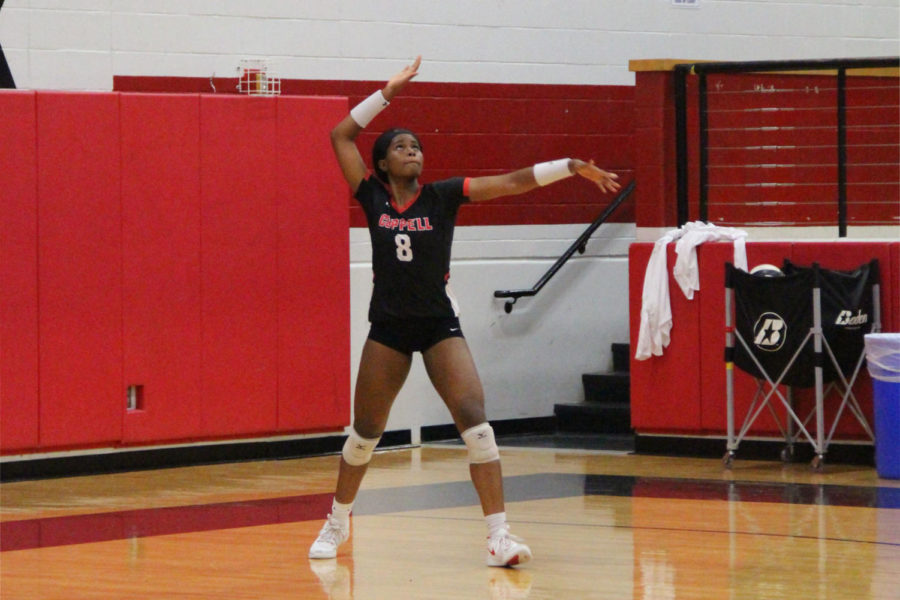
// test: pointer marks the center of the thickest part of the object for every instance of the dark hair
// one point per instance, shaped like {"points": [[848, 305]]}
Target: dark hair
{"points": [[381, 145]]}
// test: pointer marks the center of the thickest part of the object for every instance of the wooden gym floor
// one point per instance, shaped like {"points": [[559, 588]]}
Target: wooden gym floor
{"points": [[600, 524]]}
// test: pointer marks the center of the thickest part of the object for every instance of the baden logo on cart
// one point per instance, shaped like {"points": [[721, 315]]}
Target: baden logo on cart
{"points": [[769, 332], [847, 319]]}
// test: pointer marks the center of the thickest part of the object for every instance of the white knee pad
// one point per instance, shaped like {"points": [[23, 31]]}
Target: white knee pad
{"points": [[357, 449], [480, 443]]}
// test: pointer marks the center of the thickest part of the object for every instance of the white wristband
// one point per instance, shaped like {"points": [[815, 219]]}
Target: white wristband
{"points": [[368, 109], [546, 173]]}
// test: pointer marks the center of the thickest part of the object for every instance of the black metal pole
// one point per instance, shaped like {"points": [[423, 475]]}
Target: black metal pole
{"points": [[6, 78], [842, 151], [680, 81], [797, 65], [704, 151], [681, 145], [578, 246]]}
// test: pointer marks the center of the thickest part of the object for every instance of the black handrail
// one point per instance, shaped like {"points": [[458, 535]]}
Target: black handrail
{"points": [[681, 73], [842, 150], [579, 245]]}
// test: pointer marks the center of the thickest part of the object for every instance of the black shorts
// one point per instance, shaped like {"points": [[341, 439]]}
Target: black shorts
{"points": [[414, 335]]}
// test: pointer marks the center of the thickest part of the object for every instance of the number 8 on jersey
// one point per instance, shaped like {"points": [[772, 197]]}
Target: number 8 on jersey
{"points": [[404, 247]]}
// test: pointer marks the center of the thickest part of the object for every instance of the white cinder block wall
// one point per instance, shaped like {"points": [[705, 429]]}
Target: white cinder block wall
{"points": [[531, 358], [81, 44]]}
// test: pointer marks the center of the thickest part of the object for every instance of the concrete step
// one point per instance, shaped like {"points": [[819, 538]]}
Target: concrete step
{"points": [[621, 357], [607, 387], [593, 417]]}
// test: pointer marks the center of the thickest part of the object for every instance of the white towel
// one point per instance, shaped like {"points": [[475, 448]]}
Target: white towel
{"points": [[686, 271], [656, 310]]}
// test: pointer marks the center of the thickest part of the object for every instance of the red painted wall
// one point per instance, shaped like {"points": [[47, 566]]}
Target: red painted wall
{"points": [[474, 129], [196, 246], [773, 149], [683, 391], [772, 143]]}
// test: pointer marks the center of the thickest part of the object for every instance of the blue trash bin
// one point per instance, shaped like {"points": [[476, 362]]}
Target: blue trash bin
{"points": [[883, 361]]}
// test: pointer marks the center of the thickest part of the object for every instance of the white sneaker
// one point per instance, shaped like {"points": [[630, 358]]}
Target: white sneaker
{"points": [[332, 535], [506, 550]]}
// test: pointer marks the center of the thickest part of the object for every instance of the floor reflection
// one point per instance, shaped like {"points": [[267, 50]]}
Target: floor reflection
{"points": [[334, 577], [509, 584]]}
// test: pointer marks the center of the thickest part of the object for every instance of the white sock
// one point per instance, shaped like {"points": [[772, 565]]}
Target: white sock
{"points": [[496, 523], [341, 511]]}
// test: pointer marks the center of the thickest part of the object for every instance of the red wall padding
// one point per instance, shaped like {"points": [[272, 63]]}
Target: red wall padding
{"points": [[683, 391], [195, 246], [239, 264], [669, 388], [313, 313], [18, 273], [80, 268], [162, 331]]}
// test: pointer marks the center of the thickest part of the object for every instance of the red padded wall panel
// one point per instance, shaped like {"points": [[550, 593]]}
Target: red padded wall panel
{"points": [[161, 257], [313, 269], [713, 402], [238, 267], [665, 390], [80, 268], [18, 272]]}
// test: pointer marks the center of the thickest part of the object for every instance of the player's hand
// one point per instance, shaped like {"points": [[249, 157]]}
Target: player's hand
{"points": [[605, 181], [398, 81]]}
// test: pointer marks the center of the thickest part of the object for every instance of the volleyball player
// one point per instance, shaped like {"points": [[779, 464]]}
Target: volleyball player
{"points": [[412, 308]]}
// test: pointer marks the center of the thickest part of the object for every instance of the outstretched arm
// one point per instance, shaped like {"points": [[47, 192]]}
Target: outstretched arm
{"points": [[343, 136], [529, 178]]}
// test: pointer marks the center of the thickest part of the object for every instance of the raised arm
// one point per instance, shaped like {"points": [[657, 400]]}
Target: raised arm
{"points": [[344, 134], [529, 178]]}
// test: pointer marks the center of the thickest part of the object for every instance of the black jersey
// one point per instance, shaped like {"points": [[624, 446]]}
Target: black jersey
{"points": [[411, 248]]}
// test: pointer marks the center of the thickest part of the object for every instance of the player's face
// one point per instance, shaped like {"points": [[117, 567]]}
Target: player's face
{"points": [[404, 157]]}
